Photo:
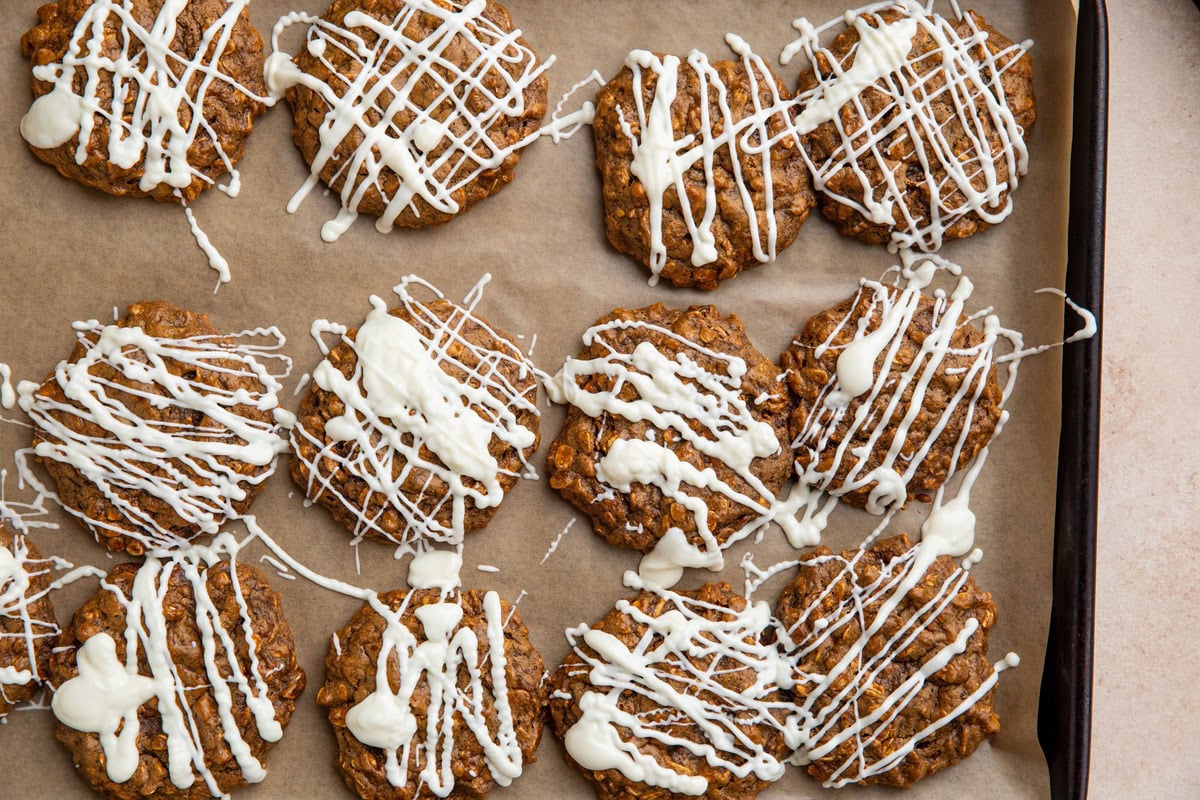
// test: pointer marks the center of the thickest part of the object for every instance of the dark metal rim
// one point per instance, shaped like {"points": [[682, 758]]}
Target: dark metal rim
{"points": [[1065, 705]]}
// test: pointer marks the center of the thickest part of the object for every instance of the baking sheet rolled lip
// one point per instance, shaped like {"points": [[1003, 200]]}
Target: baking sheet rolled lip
{"points": [[71, 253]]}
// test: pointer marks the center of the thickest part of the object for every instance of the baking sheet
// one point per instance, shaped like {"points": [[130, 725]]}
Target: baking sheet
{"points": [[70, 253]]}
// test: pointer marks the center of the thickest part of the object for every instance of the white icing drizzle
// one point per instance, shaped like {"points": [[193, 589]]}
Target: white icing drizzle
{"points": [[400, 402], [660, 161], [384, 719], [215, 259], [365, 104], [190, 479], [882, 60], [814, 731], [166, 117], [564, 126], [435, 569], [107, 694], [8, 396], [679, 638], [673, 394], [558, 540], [105, 697]]}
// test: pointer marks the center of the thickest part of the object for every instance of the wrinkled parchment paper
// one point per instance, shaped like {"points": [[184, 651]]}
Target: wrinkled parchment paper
{"points": [[70, 253]]}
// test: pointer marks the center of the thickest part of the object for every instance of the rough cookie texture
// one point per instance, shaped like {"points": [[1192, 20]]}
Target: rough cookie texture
{"points": [[642, 517], [348, 495], [23, 621], [901, 159], [825, 585], [275, 651], [627, 207], [162, 320], [571, 682], [808, 374], [228, 108], [350, 672], [429, 92]]}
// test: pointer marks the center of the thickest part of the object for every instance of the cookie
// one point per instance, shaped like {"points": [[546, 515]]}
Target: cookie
{"points": [[931, 142], [157, 429], [28, 628], [673, 695], [675, 439], [417, 424], [892, 676], [411, 111], [461, 709], [894, 391], [700, 176], [208, 691], [172, 120]]}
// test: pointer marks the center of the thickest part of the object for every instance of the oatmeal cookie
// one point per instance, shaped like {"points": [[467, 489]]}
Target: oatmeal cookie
{"points": [[196, 627], [399, 480], [28, 628], [757, 203], [152, 461], [715, 657], [351, 675], [465, 96], [824, 610], [938, 165], [851, 452], [706, 395], [190, 142]]}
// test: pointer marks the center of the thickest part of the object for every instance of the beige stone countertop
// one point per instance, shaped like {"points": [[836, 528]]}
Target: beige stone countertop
{"points": [[1146, 731]]}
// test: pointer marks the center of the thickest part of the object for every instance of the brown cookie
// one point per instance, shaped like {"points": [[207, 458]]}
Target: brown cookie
{"points": [[730, 685], [466, 87], [28, 628], [224, 93], [957, 394], [959, 139], [131, 502], [351, 669], [758, 208], [344, 476], [639, 518], [824, 610], [172, 626]]}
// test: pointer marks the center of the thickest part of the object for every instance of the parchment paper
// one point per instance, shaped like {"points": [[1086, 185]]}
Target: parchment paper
{"points": [[69, 253]]}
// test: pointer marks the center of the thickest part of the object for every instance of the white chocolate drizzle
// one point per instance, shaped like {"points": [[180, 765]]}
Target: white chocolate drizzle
{"points": [[675, 393], [161, 124], [433, 157], [8, 395], [558, 540], [883, 63], [176, 463], [681, 638], [108, 693], [661, 162], [400, 401]]}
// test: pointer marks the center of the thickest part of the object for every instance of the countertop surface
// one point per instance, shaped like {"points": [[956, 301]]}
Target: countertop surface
{"points": [[1146, 734]]}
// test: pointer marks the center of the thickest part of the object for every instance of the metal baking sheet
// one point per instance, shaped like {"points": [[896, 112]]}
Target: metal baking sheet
{"points": [[70, 253]]}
